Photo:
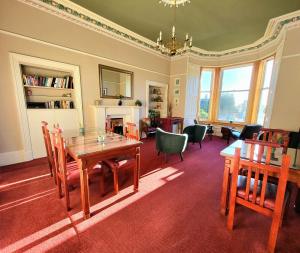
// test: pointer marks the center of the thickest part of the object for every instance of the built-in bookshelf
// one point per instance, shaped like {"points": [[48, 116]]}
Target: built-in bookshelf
{"points": [[47, 88], [157, 95]]}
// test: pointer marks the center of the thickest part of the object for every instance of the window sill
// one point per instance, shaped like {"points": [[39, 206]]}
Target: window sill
{"points": [[223, 123]]}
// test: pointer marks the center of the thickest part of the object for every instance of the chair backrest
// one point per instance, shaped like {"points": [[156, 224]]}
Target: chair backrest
{"points": [[48, 146], [146, 122], [189, 130], [199, 132], [255, 191], [249, 130], [59, 152], [294, 140], [275, 136], [131, 131], [169, 142]]}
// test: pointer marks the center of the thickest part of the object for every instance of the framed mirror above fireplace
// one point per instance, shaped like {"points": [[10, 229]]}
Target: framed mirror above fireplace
{"points": [[115, 83]]}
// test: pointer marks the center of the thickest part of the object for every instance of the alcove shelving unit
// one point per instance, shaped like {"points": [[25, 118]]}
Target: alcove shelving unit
{"points": [[157, 98], [46, 91]]}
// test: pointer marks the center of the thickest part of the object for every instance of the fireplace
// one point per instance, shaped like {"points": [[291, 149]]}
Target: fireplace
{"points": [[122, 114], [116, 124]]}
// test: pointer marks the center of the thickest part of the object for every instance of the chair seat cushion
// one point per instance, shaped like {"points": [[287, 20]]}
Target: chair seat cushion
{"points": [[73, 172], [235, 134], [151, 129], [120, 163], [270, 196]]}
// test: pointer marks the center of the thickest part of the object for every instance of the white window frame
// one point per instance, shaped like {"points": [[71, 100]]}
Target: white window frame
{"points": [[213, 70], [261, 88], [220, 91]]}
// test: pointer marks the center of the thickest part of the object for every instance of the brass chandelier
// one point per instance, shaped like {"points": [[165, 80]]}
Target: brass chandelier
{"points": [[174, 47]]}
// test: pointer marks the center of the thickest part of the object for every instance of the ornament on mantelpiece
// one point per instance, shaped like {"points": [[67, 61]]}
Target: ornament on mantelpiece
{"points": [[120, 101]]}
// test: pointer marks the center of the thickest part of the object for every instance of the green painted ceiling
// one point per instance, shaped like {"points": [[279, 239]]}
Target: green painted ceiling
{"points": [[214, 24]]}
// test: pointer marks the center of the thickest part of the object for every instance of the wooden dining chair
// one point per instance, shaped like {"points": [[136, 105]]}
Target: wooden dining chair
{"points": [[49, 150], [259, 195], [275, 136], [131, 131], [108, 127], [123, 163], [68, 173]]}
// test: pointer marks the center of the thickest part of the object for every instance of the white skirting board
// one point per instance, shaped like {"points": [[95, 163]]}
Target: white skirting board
{"points": [[13, 157]]}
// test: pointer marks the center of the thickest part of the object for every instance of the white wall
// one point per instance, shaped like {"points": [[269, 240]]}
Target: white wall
{"points": [[29, 31]]}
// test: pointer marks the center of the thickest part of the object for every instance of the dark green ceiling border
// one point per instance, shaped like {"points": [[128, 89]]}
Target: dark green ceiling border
{"points": [[109, 28]]}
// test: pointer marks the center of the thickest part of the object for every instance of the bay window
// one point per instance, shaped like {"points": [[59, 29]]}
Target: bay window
{"points": [[206, 81], [234, 92]]}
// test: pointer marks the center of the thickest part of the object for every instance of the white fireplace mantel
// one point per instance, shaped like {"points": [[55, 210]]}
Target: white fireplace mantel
{"points": [[128, 113]]}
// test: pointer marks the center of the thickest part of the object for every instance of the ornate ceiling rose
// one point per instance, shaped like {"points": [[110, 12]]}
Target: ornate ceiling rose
{"points": [[172, 3]]}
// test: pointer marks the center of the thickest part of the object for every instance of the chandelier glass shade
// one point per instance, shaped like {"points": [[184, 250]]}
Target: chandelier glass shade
{"points": [[173, 46]]}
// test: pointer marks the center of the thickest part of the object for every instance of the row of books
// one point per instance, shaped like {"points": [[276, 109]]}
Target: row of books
{"points": [[46, 81], [62, 104]]}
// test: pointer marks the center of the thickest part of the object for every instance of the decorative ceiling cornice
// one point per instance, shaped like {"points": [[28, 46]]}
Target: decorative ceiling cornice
{"points": [[274, 29], [79, 15]]}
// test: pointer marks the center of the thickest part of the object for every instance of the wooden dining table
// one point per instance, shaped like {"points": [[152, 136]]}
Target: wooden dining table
{"points": [[94, 146], [228, 154]]}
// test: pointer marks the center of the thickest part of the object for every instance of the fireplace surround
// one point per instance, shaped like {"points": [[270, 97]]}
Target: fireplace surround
{"points": [[126, 113]]}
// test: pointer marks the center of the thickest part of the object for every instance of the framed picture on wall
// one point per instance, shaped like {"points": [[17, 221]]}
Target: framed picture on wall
{"points": [[176, 101], [177, 82], [176, 92]]}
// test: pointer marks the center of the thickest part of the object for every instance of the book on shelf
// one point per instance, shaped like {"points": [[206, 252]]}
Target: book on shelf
{"points": [[47, 81], [58, 104]]}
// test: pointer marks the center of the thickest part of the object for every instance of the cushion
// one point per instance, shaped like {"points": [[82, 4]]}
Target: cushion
{"points": [[120, 163], [73, 172], [271, 190], [151, 129]]}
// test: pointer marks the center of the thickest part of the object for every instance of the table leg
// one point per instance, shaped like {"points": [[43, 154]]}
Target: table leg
{"points": [[137, 170], [225, 188], [84, 187]]}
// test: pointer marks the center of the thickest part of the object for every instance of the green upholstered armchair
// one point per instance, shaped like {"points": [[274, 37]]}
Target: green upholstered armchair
{"points": [[170, 143], [196, 133]]}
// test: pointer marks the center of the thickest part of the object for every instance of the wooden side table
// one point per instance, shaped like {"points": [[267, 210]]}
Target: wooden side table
{"points": [[167, 123]]}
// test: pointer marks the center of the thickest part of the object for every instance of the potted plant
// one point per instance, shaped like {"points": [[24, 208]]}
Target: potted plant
{"points": [[138, 103]]}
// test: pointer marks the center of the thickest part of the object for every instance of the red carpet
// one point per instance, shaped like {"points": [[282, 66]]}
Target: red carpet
{"points": [[175, 210]]}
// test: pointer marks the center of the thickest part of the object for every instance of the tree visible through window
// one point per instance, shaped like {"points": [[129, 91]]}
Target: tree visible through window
{"points": [[205, 93], [234, 93]]}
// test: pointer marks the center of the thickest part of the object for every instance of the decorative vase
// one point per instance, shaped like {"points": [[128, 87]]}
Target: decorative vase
{"points": [[120, 102]]}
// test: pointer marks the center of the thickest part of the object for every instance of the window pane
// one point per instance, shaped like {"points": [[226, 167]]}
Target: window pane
{"points": [[204, 104], [233, 106], [236, 78], [268, 73], [262, 106], [206, 78]]}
